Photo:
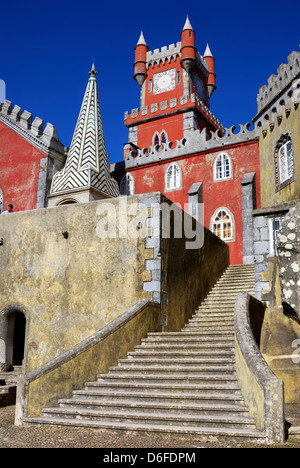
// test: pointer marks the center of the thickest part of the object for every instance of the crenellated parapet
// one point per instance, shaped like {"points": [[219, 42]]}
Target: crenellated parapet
{"points": [[31, 129], [167, 53], [276, 99], [195, 141], [165, 106]]}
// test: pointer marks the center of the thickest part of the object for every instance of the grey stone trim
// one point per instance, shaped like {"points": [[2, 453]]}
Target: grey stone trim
{"points": [[165, 104], [42, 184], [153, 241], [261, 250], [195, 198], [193, 142], [33, 131], [265, 381], [248, 204]]}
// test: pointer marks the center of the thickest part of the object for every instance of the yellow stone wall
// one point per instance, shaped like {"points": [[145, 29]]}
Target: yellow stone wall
{"points": [[267, 143], [70, 287]]}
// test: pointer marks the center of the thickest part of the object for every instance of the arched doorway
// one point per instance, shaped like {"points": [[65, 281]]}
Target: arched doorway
{"points": [[13, 329], [19, 339]]}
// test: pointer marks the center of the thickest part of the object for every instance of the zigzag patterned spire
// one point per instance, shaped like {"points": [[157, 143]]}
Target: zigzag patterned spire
{"points": [[87, 162]]}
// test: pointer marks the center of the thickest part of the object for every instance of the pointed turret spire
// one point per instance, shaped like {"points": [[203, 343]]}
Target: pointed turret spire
{"points": [[141, 40], [140, 64], [87, 165], [188, 49], [210, 60], [187, 24], [207, 52]]}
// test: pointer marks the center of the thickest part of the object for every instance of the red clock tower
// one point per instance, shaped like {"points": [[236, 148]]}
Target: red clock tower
{"points": [[176, 84]]}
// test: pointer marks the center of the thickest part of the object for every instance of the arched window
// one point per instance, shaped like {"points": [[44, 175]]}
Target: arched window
{"points": [[222, 167], [173, 177], [222, 224], [284, 162], [160, 138], [127, 185]]}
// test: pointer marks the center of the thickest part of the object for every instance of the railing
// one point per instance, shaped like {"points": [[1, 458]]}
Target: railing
{"points": [[262, 390], [58, 377]]}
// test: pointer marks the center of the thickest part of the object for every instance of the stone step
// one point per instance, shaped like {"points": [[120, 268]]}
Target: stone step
{"points": [[155, 418], [191, 370], [160, 396], [173, 346], [146, 379], [176, 382], [148, 354], [139, 387], [188, 336], [184, 361], [204, 432]]}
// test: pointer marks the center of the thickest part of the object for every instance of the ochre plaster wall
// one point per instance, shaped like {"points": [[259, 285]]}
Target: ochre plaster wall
{"points": [[70, 287], [267, 146]]}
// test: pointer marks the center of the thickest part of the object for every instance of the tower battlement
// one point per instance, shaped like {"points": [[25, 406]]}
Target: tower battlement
{"points": [[33, 130], [286, 73], [167, 53]]}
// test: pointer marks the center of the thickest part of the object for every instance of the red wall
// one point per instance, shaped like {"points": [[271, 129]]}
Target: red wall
{"points": [[19, 170], [199, 168]]}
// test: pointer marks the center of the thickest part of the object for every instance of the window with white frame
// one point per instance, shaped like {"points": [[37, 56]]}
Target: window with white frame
{"points": [[284, 162], [222, 167], [274, 226], [222, 224], [127, 185], [173, 177]]}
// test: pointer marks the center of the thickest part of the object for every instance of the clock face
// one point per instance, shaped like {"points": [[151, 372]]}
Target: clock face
{"points": [[164, 81], [199, 86]]}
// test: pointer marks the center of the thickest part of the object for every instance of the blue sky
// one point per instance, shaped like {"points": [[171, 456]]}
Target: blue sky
{"points": [[47, 49]]}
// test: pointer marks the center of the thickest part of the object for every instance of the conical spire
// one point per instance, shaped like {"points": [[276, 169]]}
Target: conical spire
{"points": [[141, 40], [87, 162], [207, 52], [187, 24]]}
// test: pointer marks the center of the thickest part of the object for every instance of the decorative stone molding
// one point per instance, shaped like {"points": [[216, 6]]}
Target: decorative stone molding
{"points": [[193, 142], [275, 100]]}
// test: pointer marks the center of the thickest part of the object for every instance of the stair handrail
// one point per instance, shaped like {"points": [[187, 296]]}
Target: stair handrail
{"points": [[262, 390], [25, 379]]}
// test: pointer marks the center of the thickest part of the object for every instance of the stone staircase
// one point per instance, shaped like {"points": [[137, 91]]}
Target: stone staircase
{"points": [[8, 386], [181, 383]]}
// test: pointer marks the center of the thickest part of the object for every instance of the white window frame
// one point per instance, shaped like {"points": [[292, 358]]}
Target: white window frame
{"points": [[127, 185], [222, 223], [173, 178], [224, 157], [286, 160], [273, 248]]}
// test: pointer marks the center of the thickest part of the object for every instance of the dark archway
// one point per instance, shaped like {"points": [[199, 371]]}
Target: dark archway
{"points": [[14, 323], [19, 338]]}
